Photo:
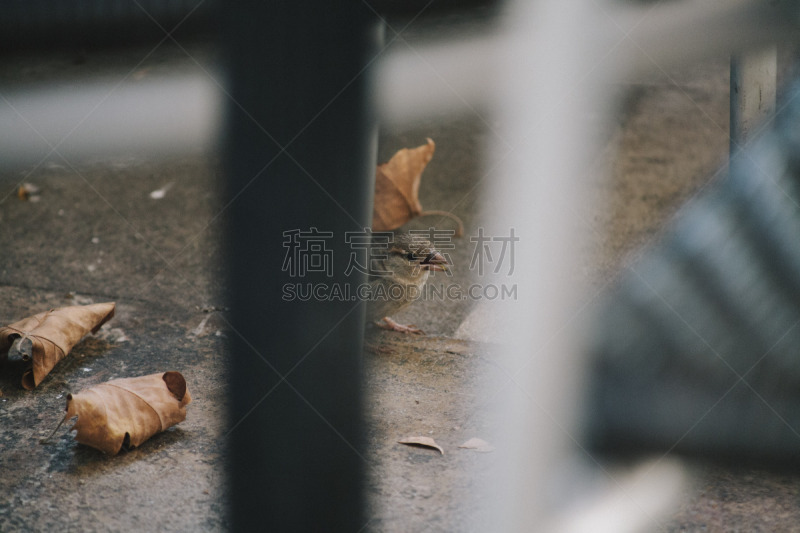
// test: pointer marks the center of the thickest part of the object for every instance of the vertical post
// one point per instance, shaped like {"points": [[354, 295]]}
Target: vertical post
{"points": [[753, 92], [548, 82], [299, 162]]}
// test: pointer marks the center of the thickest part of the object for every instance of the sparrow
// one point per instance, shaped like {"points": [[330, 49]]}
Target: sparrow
{"points": [[400, 270]]}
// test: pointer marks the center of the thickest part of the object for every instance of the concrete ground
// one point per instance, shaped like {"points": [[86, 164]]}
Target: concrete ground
{"points": [[96, 234]]}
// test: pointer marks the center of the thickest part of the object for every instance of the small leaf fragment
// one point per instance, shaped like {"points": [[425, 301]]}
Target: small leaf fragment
{"points": [[158, 194], [28, 192], [479, 445], [425, 442], [128, 411]]}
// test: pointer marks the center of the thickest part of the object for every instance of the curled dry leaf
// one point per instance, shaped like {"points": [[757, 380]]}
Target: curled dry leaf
{"points": [[479, 445], [397, 189], [49, 336], [425, 442], [28, 191], [128, 411]]}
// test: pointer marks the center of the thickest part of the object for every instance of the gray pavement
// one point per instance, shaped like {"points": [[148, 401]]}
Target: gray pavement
{"points": [[96, 235]]}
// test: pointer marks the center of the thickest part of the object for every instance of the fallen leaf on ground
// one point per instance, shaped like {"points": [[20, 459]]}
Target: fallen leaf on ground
{"points": [[28, 192], [425, 442], [479, 445], [397, 189], [199, 330], [127, 412], [158, 194], [49, 336]]}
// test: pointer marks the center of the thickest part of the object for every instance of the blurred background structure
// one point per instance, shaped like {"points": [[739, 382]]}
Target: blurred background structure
{"points": [[693, 352]]}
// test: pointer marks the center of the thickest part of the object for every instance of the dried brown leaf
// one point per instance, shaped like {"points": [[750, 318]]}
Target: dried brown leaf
{"points": [[128, 411], [425, 442], [52, 335], [479, 445], [397, 187]]}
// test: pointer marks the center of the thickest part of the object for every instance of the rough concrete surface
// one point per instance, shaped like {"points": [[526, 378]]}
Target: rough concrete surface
{"points": [[97, 235]]}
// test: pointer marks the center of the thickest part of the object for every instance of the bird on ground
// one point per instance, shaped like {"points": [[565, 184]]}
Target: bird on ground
{"points": [[400, 270]]}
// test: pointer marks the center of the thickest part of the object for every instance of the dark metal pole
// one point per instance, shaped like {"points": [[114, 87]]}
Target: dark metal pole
{"points": [[300, 169]]}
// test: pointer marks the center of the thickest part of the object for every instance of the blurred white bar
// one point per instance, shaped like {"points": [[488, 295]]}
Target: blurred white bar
{"points": [[633, 502], [437, 79], [414, 84], [158, 116], [168, 115], [547, 83], [682, 31], [559, 62]]}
